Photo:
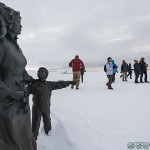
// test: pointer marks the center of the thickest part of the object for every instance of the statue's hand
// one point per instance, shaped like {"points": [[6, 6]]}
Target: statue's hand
{"points": [[16, 95]]}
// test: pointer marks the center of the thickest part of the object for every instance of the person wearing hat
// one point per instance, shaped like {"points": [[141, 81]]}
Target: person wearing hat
{"points": [[124, 70], [76, 65], [109, 72], [143, 66]]}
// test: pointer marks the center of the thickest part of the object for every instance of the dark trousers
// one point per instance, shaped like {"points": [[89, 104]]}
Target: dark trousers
{"points": [[114, 77], [141, 78], [36, 119], [130, 74], [110, 80], [136, 78], [82, 78]]}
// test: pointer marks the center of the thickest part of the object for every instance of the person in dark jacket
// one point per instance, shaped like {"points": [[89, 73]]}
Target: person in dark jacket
{"points": [[137, 71], [130, 71], [76, 65], [41, 91], [124, 70], [143, 66]]}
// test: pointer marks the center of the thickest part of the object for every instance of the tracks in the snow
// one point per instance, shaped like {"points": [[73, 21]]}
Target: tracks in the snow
{"points": [[57, 139]]}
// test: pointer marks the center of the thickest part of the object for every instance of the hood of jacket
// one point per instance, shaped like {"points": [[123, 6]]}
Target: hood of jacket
{"points": [[113, 62]]}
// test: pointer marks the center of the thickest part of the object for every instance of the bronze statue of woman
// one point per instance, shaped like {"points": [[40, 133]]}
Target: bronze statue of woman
{"points": [[15, 121]]}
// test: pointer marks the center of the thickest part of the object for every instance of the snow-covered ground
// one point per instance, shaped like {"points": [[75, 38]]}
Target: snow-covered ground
{"points": [[95, 118]]}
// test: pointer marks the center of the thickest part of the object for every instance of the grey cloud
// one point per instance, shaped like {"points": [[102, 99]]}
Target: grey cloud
{"points": [[55, 31]]}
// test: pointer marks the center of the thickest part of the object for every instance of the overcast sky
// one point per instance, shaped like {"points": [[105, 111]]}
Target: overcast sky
{"points": [[54, 31]]}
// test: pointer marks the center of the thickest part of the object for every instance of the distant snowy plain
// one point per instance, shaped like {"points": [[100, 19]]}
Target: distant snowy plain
{"points": [[95, 118]]}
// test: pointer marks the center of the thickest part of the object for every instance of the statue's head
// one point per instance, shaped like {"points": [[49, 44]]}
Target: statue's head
{"points": [[16, 24], [42, 73], [10, 21]]}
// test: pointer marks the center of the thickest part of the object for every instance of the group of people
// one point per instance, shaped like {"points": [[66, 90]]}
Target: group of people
{"points": [[140, 69]]}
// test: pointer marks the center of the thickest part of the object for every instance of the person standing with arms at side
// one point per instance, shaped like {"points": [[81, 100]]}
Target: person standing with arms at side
{"points": [[137, 71], [124, 70], [76, 65], [143, 66], [109, 72]]}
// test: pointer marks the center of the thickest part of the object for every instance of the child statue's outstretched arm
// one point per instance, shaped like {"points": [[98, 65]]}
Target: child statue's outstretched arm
{"points": [[60, 84]]}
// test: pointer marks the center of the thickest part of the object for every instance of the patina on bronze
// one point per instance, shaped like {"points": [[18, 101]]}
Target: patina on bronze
{"points": [[15, 121], [42, 91]]}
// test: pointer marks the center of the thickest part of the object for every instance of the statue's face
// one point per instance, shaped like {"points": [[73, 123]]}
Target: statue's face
{"points": [[42, 74], [16, 26]]}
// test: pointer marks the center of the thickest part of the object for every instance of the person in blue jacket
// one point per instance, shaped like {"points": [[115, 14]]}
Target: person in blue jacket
{"points": [[115, 67]]}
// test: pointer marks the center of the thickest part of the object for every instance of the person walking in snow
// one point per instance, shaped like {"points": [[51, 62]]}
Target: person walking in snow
{"points": [[143, 66], [41, 91], [115, 67], [76, 65], [137, 71], [130, 71], [109, 72], [124, 70]]}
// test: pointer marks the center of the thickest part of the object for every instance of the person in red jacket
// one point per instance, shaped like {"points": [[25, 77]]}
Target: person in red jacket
{"points": [[76, 65]]}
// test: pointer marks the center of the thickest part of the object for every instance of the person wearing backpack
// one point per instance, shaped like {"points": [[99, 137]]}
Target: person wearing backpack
{"points": [[109, 72]]}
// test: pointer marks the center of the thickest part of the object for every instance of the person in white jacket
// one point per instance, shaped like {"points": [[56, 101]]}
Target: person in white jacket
{"points": [[109, 72]]}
